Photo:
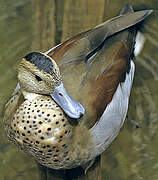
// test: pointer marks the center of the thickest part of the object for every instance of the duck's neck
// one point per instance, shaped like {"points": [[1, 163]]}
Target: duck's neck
{"points": [[29, 96]]}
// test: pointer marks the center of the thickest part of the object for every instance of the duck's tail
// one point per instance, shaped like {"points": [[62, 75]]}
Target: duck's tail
{"points": [[139, 39]]}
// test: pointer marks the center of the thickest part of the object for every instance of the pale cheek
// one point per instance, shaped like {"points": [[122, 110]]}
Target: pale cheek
{"points": [[36, 87], [30, 84]]}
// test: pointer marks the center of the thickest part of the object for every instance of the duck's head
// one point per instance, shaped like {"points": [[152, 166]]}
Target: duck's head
{"points": [[39, 74]]}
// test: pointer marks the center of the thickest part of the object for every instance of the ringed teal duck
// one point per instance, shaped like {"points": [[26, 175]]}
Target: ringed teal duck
{"points": [[97, 70]]}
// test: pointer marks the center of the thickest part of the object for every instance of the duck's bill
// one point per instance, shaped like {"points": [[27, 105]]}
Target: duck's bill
{"points": [[71, 107]]}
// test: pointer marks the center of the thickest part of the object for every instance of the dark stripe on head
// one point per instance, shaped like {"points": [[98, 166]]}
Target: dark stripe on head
{"points": [[41, 61]]}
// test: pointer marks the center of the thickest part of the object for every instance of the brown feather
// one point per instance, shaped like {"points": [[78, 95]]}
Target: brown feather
{"points": [[106, 84], [93, 82]]}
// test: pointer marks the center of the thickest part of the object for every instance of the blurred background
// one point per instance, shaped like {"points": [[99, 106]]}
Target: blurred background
{"points": [[38, 25]]}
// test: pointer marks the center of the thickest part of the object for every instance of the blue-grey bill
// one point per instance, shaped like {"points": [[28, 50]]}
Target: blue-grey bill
{"points": [[71, 107]]}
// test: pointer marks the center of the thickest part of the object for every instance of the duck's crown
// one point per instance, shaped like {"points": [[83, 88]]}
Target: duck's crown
{"points": [[41, 61]]}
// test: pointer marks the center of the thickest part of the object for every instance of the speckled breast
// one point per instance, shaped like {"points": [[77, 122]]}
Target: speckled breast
{"points": [[40, 128]]}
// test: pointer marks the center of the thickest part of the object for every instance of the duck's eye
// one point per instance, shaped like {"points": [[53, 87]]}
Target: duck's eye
{"points": [[38, 78]]}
